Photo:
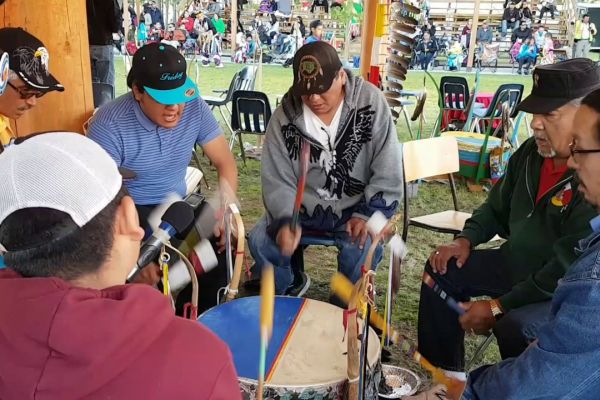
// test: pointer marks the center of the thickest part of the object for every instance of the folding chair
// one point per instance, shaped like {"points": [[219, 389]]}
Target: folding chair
{"points": [[250, 114], [423, 159], [242, 80]]}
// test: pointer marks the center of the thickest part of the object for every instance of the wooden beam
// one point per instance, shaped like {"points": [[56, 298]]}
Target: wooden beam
{"points": [[368, 35], [473, 38], [62, 26], [234, 21]]}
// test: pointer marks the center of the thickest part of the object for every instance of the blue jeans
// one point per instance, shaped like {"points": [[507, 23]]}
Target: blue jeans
{"points": [[103, 64], [565, 362], [506, 24], [264, 250], [441, 338]]}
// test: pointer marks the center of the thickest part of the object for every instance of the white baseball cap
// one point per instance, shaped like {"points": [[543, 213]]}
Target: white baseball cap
{"points": [[63, 171]]}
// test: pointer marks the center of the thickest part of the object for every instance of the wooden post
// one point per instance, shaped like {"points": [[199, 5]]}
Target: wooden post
{"points": [[473, 38], [62, 26], [127, 20], [368, 34], [234, 21]]}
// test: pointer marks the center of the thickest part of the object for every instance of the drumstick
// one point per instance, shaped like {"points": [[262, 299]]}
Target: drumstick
{"points": [[304, 158], [239, 253], [267, 306], [342, 287], [431, 283]]}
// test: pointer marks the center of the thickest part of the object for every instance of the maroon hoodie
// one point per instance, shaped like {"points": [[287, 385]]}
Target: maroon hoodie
{"points": [[62, 342]]}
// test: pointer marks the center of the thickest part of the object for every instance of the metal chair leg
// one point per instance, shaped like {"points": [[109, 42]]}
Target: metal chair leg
{"points": [[485, 343], [407, 122], [239, 135], [226, 120], [200, 168]]}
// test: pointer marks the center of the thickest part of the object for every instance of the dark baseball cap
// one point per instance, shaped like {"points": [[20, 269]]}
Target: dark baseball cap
{"points": [[315, 67], [162, 71], [555, 85], [29, 59]]}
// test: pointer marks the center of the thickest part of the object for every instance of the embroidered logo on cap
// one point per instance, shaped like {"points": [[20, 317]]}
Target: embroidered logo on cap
{"points": [[190, 92], [309, 69], [536, 78], [167, 76]]}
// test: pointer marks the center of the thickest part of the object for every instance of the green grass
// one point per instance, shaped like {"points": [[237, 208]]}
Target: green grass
{"points": [[432, 197]]}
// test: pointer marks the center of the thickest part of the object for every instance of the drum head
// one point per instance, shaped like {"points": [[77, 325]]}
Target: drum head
{"points": [[308, 346]]}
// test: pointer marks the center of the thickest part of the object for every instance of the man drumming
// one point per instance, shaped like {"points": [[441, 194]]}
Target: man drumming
{"points": [[153, 129], [537, 208], [354, 168]]}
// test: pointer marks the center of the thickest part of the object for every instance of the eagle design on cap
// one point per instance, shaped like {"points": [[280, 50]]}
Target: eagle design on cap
{"points": [[309, 69], [536, 78], [33, 63]]}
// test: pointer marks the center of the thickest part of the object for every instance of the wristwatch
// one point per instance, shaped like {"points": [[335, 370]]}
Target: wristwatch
{"points": [[496, 309]]}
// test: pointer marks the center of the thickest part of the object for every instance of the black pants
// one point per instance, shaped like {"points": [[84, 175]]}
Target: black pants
{"points": [[441, 338], [525, 62], [208, 283]]}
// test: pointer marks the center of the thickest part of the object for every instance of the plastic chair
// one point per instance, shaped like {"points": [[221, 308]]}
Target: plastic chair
{"points": [[508, 92], [250, 114], [423, 159]]}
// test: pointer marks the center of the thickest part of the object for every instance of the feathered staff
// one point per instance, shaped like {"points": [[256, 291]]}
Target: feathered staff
{"points": [[267, 306], [344, 289]]}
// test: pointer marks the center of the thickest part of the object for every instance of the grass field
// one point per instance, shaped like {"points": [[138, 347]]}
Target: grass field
{"points": [[432, 197]]}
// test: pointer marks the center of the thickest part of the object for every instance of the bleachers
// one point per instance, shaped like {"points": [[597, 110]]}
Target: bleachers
{"points": [[450, 18]]}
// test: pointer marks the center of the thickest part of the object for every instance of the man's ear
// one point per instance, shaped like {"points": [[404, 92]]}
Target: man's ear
{"points": [[137, 93], [127, 221]]}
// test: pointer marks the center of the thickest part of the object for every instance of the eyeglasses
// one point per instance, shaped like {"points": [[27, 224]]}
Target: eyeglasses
{"points": [[574, 151], [26, 94]]}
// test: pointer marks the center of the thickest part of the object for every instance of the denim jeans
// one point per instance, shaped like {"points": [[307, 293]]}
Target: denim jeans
{"points": [[103, 64], [565, 361], [441, 338], [506, 24], [264, 250]]}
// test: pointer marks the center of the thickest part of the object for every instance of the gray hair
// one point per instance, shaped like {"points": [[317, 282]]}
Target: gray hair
{"points": [[12, 75]]}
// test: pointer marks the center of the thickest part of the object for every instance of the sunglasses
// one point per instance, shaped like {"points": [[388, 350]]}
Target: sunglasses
{"points": [[26, 94], [574, 151]]}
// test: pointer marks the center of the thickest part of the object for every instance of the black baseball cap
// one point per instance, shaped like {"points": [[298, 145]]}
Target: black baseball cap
{"points": [[555, 85], [29, 59], [162, 71], [315, 67]]}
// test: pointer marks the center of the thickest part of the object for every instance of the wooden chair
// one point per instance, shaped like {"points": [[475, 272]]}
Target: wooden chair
{"points": [[423, 159]]}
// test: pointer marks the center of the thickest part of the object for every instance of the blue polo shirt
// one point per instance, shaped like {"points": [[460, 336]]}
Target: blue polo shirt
{"points": [[158, 156]]}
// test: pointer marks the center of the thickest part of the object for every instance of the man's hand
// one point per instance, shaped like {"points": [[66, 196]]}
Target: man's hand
{"points": [[478, 318], [149, 275], [357, 230], [288, 240], [460, 249], [219, 232]]}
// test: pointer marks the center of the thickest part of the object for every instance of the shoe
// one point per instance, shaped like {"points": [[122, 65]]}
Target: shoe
{"points": [[526, 72], [519, 71], [300, 285], [220, 66]]}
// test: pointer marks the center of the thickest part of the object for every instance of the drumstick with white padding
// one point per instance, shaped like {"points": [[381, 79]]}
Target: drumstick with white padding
{"points": [[304, 159], [449, 300], [267, 309]]}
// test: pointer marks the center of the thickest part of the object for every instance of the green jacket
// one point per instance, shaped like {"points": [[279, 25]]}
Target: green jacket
{"points": [[541, 238]]}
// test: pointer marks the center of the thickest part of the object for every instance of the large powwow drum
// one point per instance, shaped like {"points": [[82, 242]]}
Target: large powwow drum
{"points": [[307, 355]]}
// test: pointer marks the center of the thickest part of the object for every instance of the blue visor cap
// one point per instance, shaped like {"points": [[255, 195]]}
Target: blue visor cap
{"points": [[182, 94]]}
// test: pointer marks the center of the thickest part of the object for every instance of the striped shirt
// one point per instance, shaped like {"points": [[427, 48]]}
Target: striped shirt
{"points": [[158, 156]]}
